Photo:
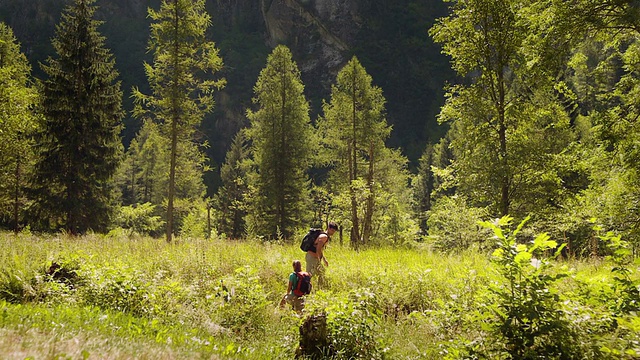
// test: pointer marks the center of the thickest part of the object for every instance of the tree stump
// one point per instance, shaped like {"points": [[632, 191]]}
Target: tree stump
{"points": [[314, 338]]}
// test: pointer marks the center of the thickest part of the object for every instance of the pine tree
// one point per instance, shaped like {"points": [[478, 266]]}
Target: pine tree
{"points": [[184, 62], [230, 200], [280, 134], [17, 127], [80, 144]]}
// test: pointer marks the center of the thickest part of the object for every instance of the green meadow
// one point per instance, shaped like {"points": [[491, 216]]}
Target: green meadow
{"points": [[101, 297]]}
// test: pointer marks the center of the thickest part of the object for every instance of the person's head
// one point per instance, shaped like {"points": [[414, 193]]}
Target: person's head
{"points": [[332, 227], [297, 266]]}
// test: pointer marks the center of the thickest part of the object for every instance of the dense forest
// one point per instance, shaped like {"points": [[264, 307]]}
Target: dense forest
{"points": [[243, 119]]}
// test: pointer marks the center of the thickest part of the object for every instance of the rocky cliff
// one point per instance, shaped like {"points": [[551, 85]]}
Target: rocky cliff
{"points": [[320, 32]]}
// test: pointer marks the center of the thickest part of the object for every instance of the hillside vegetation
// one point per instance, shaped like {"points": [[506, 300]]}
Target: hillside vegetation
{"points": [[117, 298]]}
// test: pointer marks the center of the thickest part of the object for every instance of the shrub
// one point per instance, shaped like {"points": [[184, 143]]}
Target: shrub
{"points": [[139, 219], [453, 225], [523, 312], [242, 302], [351, 326], [116, 288]]}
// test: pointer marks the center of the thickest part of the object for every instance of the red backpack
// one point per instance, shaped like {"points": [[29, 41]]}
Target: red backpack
{"points": [[304, 284]]}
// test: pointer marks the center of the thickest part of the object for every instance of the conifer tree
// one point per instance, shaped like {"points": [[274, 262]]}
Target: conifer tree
{"points": [[80, 143], [230, 200], [280, 134], [181, 80], [17, 127], [355, 128]]}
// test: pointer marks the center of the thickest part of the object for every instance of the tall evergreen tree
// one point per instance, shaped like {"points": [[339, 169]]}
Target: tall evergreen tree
{"points": [[181, 79], [80, 144], [281, 140], [17, 127], [355, 128], [230, 200]]}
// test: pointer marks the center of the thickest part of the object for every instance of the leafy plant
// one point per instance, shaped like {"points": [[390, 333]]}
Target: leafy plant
{"points": [[626, 291], [139, 219], [524, 312], [352, 325]]}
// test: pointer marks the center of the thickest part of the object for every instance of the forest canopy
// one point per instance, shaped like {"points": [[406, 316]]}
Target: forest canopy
{"points": [[540, 121]]}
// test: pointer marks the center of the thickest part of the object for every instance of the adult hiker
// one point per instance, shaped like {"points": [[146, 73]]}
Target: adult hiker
{"points": [[315, 255], [299, 286]]}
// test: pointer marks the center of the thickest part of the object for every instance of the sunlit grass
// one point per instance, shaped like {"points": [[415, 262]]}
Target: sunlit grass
{"points": [[194, 298]]}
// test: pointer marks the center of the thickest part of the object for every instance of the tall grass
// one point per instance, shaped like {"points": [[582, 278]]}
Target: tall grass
{"points": [[144, 298]]}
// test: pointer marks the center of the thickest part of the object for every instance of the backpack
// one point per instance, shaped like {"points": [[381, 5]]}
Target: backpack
{"points": [[309, 240], [304, 284]]}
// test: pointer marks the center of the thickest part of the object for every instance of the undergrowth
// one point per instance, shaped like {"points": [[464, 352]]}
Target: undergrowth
{"points": [[194, 298]]}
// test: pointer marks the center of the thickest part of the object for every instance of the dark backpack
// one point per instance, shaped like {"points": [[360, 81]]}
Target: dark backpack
{"points": [[309, 240], [304, 284]]}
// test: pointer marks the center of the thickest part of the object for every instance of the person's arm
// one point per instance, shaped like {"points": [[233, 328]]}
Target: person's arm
{"points": [[283, 301], [322, 240], [289, 286]]}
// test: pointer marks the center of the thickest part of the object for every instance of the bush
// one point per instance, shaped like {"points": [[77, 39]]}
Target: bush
{"points": [[242, 302], [352, 325], [453, 225], [523, 313]]}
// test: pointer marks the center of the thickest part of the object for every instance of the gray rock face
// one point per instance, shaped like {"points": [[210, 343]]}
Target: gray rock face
{"points": [[319, 33]]}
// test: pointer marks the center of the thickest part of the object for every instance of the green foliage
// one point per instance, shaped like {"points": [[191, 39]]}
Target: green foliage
{"points": [[281, 147], [352, 325], [242, 302], [139, 219], [453, 225], [625, 295], [114, 286], [18, 124], [507, 126], [215, 298], [524, 311], [195, 223], [230, 200], [367, 181], [79, 141], [182, 84]]}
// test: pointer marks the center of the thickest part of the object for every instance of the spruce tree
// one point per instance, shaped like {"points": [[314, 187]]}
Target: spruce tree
{"points": [[281, 146], [230, 200], [17, 126], [181, 80], [80, 145]]}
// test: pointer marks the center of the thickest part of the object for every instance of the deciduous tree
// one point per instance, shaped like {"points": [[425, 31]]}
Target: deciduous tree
{"points": [[507, 126], [18, 98]]}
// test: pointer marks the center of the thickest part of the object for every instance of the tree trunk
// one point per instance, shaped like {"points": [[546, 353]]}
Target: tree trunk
{"points": [[502, 135], [280, 184], [172, 178], [368, 215], [174, 131], [353, 168], [16, 198]]}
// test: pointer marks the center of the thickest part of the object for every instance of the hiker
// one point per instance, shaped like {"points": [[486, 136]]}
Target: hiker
{"points": [[316, 254], [295, 289]]}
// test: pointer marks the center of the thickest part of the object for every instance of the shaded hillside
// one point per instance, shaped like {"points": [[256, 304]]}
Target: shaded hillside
{"points": [[390, 39]]}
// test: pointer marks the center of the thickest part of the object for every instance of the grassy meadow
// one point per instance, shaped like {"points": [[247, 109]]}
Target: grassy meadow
{"points": [[142, 298]]}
